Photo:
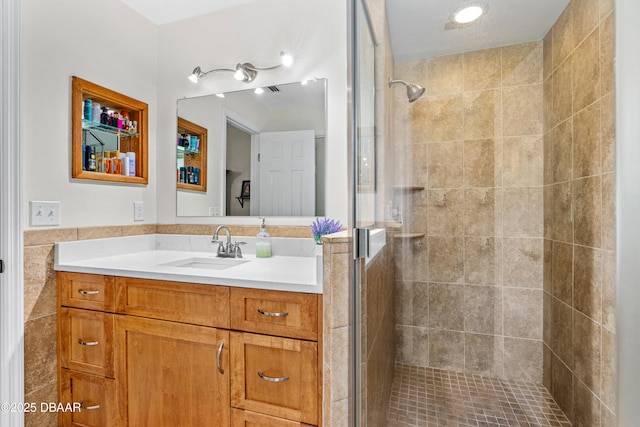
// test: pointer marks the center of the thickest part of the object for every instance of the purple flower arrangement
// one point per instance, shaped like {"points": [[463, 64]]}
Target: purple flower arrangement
{"points": [[322, 226]]}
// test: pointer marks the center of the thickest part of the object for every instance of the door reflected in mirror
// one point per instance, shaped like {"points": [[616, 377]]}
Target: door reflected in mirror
{"points": [[265, 152]]}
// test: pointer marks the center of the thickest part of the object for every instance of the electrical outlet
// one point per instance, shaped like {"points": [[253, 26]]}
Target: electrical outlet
{"points": [[138, 211], [45, 213], [214, 211]]}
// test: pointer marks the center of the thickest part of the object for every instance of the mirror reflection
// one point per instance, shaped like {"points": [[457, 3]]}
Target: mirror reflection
{"points": [[265, 152]]}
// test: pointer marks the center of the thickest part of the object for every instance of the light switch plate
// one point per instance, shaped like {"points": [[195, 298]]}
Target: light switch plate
{"points": [[138, 211], [44, 213]]}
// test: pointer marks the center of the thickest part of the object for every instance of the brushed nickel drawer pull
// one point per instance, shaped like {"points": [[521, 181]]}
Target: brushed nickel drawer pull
{"points": [[83, 292], [272, 379], [218, 356], [82, 406], [270, 314], [81, 342]]}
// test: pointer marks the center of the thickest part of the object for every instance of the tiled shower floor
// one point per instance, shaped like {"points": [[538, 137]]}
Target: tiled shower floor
{"points": [[438, 398]]}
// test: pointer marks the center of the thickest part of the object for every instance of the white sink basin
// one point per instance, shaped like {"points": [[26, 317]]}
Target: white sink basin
{"points": [[207, 263]]}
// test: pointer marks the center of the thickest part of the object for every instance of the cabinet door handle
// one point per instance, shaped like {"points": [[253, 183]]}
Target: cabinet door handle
{"points": [[272, 379], [83, 292], [83, 406], [270, 314], [219, 356], [81, 342]]}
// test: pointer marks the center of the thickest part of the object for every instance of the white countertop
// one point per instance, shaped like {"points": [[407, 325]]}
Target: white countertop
{"points": [[295, 265]]}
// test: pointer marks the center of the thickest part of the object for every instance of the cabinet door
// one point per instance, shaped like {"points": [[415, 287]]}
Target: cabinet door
{"points": [[172, 374], [95, 397], [86, 341], [275, 376]]}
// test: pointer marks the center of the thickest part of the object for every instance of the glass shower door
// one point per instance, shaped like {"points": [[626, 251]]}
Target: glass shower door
{"points": [[364, 90]]}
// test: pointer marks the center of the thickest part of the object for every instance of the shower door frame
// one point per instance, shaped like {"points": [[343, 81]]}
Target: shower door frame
{"points": [[11, 243], [358, 17]]}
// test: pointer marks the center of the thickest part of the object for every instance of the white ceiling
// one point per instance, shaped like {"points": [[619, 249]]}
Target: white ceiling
{"points": [[164, 11], [417, 26]]}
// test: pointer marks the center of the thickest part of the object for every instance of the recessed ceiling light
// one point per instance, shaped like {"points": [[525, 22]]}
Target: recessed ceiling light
{"points": [[468, 14]]}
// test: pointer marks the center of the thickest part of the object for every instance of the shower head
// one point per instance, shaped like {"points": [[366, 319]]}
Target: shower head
{"points": [[414, 91]]}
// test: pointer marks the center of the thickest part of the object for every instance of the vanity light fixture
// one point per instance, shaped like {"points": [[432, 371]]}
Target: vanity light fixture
{"points": [[245, 72]]}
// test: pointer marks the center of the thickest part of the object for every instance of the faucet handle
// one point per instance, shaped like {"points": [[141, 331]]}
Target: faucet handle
{"points": [[236, 249]]}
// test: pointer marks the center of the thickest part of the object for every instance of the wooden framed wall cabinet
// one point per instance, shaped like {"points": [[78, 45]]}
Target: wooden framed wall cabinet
{"points": [[105, 126], [191, 156]]}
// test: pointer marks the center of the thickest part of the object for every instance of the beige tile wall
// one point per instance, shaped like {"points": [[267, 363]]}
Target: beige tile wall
{"points": [[469, 291], [336, 324], [579, 217], [378, 334], [40, 298]]}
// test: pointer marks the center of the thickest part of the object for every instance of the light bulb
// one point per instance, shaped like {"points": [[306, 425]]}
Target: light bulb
{"points": [[259, 91], [195, 74], [239, 75], [468, 14], [286, 59], [220, 95], [304, 82]]}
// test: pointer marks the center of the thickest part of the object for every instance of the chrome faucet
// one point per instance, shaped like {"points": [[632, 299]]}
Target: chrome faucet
{"points": [[228, 249]]}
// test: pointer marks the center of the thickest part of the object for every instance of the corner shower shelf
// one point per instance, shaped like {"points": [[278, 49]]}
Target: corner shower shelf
{"points": [[408, 187], [408, 235]]}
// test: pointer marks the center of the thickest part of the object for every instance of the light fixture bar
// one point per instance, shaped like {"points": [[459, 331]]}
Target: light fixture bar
{"points": [[245, 72]]}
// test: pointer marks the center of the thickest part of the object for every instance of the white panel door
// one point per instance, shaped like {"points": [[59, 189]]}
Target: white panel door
{"points": [[287, 173]]}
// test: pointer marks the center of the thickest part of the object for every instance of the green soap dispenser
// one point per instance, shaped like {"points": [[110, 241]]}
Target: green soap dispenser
{"points": [[263, 242]]}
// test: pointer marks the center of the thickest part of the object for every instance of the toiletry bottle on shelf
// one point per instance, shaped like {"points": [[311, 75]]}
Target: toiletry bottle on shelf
{"points": [[96, 112], [88, 109], [132, 163], [104, 116], [263, 242], [90, 158]]}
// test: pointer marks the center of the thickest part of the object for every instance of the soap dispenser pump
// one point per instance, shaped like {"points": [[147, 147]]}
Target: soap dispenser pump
{"points": [[263, 242]]}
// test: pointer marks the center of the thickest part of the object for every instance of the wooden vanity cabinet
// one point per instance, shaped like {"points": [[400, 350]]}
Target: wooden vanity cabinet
{"points": [[170, 353]]}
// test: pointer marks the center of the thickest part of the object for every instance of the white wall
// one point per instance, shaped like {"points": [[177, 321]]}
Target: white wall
{"points": [[314, 31], [106, 43]]}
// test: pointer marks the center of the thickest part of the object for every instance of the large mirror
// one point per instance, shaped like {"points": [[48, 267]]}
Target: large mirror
{"points": [[265, 152]]}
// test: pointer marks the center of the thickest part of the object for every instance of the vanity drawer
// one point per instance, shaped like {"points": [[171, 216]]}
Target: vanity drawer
{"points": [[275, 376], [95, 396], [90, 291], [285, 314], [197, 304], [240, 418], [86, 341]]}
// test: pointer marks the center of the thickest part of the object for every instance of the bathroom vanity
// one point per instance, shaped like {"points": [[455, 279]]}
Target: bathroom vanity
{"points": [[142, 347]]}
